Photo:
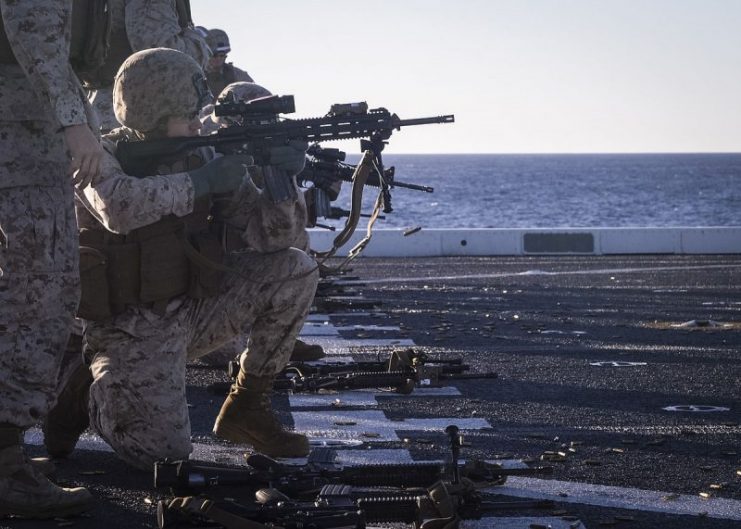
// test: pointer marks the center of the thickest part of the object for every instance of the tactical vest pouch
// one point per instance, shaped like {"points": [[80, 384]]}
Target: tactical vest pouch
{"points": [[205, 278], [123, 274], [164, 267], [94, 303]]}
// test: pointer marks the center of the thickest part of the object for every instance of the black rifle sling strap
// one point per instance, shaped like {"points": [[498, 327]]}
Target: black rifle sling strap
{"points": [[185, 19], [358, 248], [359, 178]]}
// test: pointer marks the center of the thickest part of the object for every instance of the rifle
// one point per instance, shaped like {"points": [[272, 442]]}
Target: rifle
{"points": [[261, 129], [187, 477], [441, 506], [204, 512], [328, 167], [404, 371], [336, 506]]}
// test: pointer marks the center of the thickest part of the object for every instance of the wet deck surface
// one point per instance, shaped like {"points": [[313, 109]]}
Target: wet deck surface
{"points": [[541, 323]]}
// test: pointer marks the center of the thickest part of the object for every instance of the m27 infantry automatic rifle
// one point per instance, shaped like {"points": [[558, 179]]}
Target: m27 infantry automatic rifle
{"points": [[404, 371], [188, 477], [326, 166], [258, 128], [438, 503]]}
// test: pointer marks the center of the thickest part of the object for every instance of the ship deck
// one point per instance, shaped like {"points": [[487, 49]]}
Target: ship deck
{"points": [[622, 372]]}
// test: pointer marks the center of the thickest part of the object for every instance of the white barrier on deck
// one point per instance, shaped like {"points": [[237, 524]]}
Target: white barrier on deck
{"points": [[536, 241]]}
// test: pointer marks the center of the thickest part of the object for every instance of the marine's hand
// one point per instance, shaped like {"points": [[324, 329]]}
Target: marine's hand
{"points": [[290, 157], [332, 189], [220, 175], [87, 155]]}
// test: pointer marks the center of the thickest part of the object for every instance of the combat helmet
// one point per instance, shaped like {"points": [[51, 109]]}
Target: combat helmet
{"points": [[154, 84], [243, 91], [218, 41], [240, 91]]}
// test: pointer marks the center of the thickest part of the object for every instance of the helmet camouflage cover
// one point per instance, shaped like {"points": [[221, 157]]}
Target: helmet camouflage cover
{"points": [[240, 91], [218, 41], [154, 84]]}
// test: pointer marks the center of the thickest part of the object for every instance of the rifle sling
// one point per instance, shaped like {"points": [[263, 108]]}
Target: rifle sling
{"points": [[358, 183], [358, 248]]}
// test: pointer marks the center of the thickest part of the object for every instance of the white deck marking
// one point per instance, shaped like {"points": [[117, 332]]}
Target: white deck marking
{"points": [[381, 456], [353, 424], [326, 329], [600, 271], [362, 397], [521, 523], [319, 329], [352, 314], [337, 345], [619, 497], [662, 429], [88, 441]]}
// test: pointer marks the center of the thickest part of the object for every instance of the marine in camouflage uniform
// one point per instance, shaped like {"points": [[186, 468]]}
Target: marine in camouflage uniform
{"points": [[220, 73], [140, 25], [137, 398], [210, 123], [39, 283]]}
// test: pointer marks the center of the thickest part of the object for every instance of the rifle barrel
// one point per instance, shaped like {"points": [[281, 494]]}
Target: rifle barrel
{"points": [[426, 121], [414, 187]]}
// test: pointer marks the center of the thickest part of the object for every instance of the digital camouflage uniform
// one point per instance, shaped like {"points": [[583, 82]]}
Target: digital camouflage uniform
{"points": [[39, 287], [145, 24], [219, 76], [138, 356], [137, 399], [210, 123], [227, 75]]}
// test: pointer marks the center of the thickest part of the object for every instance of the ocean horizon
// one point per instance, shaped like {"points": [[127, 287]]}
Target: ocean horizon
{"points": [[561, 190]]}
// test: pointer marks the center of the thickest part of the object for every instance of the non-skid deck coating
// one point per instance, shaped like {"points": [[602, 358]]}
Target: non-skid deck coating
{"points": [[589, 350]]}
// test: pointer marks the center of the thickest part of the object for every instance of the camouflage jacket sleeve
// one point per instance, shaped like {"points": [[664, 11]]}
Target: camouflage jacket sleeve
{"points": [[268, 227], [154, 24], [123, 203], [39, 34]]}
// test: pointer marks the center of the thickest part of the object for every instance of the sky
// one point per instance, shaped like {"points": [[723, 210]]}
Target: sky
{"points": [[521, 76]]}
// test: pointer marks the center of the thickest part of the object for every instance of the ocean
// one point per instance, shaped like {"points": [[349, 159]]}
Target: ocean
{"points": [[550, 191]]}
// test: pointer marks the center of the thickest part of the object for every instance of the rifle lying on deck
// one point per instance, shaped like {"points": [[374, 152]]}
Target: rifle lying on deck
{"points": [[404, 371], [337, 506], [188, 477], [437, 504], [260, 129]]}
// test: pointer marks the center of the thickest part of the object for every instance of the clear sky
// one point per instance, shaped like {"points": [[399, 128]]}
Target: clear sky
{"points": [[521, 76]]}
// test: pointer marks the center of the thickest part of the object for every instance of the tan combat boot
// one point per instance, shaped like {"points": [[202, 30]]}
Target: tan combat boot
{"points": [[69, 418], [26, 492], [247, 417], [304, 352]]}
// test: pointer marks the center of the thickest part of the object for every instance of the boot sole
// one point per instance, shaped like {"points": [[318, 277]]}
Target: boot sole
{"points": [[238, 436]]}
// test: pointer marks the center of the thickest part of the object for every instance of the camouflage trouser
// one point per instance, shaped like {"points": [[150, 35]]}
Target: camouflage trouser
{"points": [[137, 399], [39, 293]]}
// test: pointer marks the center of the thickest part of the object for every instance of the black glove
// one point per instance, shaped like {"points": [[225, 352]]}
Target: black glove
{"points": [[221, 175], [290, 157]]}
